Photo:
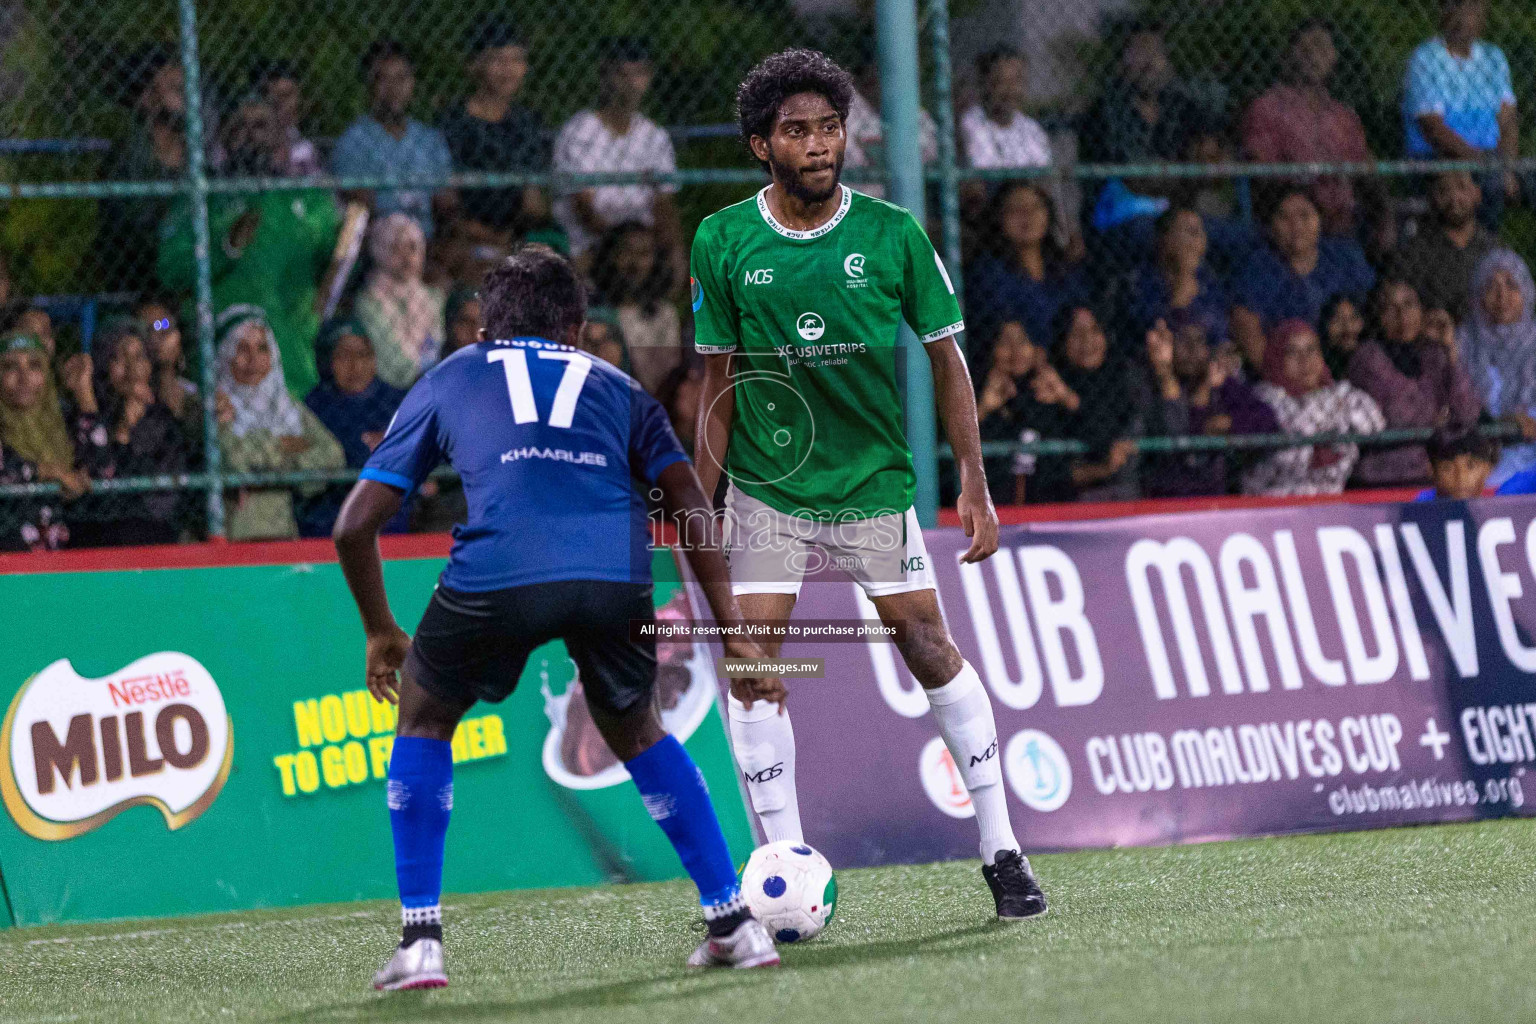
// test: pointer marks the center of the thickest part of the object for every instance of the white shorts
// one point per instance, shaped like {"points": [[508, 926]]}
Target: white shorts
{"points": [[770, 552]]}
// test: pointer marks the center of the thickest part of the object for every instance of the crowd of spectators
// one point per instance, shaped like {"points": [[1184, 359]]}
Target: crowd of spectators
{"points": [[1140, 307], [1336, 308]]}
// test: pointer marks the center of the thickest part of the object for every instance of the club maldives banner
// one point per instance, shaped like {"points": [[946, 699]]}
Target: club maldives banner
{"points": [[185, 740], [1191, 677]]}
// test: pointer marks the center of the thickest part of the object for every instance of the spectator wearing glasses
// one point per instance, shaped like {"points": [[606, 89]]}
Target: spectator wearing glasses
{"points": [[269, 249], [1308, 401]]}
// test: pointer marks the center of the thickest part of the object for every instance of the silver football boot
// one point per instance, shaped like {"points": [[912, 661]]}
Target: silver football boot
{"points": [[749, 945], [419, 965]]}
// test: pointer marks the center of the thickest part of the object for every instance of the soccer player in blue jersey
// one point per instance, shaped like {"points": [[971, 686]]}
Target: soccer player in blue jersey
{"points": [[549, 443]]}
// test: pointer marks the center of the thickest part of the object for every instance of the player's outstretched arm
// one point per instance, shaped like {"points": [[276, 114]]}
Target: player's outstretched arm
{"points": [[717, 406], [957, 405], [698, 536], [366, 510]]}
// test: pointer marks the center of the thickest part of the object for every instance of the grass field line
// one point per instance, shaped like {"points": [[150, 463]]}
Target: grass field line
{"points": [[192, 924]]}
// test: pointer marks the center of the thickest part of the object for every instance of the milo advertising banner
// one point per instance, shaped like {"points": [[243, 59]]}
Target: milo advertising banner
{"points": [[1201, 676], [186, 740]]}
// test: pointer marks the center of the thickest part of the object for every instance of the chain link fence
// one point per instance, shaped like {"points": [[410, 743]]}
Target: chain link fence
{"points": [[234, 232]]}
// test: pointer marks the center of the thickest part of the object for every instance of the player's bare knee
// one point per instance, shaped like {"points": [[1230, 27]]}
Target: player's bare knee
{"points": [[423, 715], [631, 731], [930, 654]]}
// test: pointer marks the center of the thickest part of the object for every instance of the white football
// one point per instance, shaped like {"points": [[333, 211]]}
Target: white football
{"points": [[791, 889]]}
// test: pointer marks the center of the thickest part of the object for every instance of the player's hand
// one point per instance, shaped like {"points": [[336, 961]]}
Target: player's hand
{"points": [[750, 689], [979, 520], [386, 654]]}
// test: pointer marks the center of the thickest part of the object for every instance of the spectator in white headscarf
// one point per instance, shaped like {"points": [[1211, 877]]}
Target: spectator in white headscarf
{"points": [[402, 314]]}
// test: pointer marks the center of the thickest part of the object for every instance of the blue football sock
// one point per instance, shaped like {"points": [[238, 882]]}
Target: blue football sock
{"points": [[420, 795], [675, 795]]}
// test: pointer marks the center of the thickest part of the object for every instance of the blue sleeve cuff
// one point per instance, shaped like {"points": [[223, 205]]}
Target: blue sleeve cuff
{"points": [[662, 462], [384, 476]]}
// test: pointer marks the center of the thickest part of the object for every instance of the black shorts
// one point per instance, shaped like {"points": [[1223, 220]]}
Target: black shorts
{"points": [[473, 646]]}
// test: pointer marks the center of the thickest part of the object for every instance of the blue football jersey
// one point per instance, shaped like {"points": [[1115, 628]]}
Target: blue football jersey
{"points": [[549, 442]]}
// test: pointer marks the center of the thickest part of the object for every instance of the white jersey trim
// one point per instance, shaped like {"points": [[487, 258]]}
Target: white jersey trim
{"points": [[944, 332], [804, 236], [714, 350]]}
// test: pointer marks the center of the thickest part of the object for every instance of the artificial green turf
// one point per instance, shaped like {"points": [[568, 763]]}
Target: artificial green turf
{"points": [[1408, 925]]}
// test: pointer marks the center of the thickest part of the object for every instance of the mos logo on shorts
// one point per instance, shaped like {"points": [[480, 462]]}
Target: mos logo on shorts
{"points": [[810, 326], [77, 752]]}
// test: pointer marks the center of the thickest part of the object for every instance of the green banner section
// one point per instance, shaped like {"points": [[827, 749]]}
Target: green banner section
{"points": [[186, 741]]}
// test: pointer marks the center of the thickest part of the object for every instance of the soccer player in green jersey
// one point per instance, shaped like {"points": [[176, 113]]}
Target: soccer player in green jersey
{"points": [[798, 296]]}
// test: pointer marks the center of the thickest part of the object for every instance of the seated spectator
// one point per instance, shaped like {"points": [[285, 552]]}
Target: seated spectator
{"points": [[1307, 401], [1294, 275], [356, 407], [865, 128], [1027, 278], [34, 320], [121, 430], [1459, 101], [388, 141], [1006, 411], [1416, 380], [1194, 395], [679, 395], [28, 524], [162, 337], [461, 317], [602, 337], [996, 132], [269, 249], [633, 279], [1341, 327], [615, 136], [1498, 348], [1096, 391], [1440, 260], [1178, 286], [492, 131], [156, 149], [32, 426], [278, 83], [402, 314], [263, 430], [1145, 112], [1460, 462], [1298, 121]]}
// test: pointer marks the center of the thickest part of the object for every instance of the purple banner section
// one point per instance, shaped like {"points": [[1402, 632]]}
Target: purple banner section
{"points": [[1182, 678]]}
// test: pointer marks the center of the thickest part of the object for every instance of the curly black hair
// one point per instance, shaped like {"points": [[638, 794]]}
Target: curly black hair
{"points": [[778, 77], [532, 293]]}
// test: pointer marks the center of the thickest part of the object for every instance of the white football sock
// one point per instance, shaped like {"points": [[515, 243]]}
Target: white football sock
{"points": [[764, 743], [964, 715]]}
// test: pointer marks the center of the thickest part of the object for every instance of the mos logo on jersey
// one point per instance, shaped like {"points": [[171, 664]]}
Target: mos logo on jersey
{"points": [[77, 752], [698, 293], [810, 326]]}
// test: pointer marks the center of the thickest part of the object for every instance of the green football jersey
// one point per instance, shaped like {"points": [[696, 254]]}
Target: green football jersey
{"points": [[813, 319]]}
